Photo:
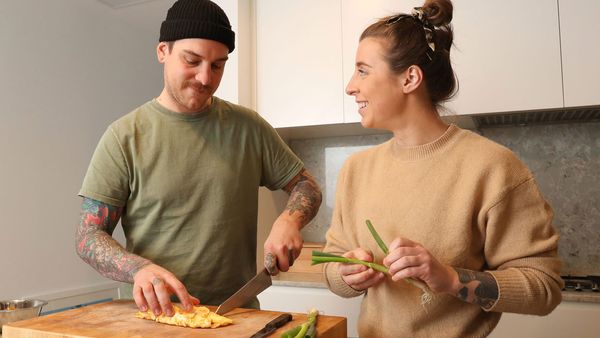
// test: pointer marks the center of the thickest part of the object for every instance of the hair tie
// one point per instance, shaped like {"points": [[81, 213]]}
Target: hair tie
{"points": [[419, 14]]}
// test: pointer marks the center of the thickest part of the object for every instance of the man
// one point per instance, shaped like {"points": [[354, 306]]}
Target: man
{"points": [[182, 173]]}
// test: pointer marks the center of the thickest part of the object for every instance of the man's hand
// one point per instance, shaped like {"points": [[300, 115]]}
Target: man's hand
{"points": [[97, 248], [153, 287], [285, 241], [357, 276], [284, 244]]}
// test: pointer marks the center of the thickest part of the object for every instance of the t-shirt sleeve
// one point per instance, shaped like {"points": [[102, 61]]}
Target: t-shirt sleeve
{"points": [[107, 177], [279, 163]]}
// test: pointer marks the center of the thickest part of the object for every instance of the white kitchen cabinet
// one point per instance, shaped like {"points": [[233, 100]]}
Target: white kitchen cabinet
{"points": [[506, 53], [356, 16], [506, 56], [579, 27], [569, 319], [298, 62]]}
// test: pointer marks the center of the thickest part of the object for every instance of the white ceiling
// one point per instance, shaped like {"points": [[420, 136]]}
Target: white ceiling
{"points": [[122, 3]]}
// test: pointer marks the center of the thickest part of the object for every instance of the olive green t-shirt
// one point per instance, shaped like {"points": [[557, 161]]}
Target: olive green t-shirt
{"points": [[189, 185]]}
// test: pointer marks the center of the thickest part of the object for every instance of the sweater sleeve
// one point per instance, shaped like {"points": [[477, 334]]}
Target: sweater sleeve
{"points": [[521, 251], [338, 243]]}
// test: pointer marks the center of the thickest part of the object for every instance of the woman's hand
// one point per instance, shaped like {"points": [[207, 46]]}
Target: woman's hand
{"points": [[410, 259], [357, 276]]}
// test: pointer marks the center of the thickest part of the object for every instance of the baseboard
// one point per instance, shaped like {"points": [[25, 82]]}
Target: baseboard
{"points": [[76, 297]]}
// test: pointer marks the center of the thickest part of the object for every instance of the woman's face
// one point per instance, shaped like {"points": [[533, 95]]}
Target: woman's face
{"points": [[377, 91]]}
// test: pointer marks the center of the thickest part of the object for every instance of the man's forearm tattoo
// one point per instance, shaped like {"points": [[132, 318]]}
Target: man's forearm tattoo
{"points": [[305, 196], [477, 287], [96, 246]]}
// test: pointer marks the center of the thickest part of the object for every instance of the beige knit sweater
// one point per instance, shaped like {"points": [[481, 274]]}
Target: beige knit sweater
{"points": [[473, 205]]}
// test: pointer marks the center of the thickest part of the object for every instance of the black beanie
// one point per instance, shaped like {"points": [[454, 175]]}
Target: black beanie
{"points": [[202, 19]]}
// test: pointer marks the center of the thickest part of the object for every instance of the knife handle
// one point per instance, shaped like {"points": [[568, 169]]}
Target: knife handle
{"points": [[271, 262], [280, 321]]}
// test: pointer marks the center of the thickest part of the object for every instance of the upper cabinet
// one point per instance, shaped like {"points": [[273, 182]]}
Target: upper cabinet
{"points": [[506, 56], [298, 62], [579, 27], [356, 16]]}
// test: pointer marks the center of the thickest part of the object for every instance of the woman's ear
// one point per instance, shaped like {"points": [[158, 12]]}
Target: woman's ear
{"points": [[412, 79], [161, 51]]}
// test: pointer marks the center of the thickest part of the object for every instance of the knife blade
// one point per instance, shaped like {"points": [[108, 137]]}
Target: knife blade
{"points": [[273, 325], [254, 286]]}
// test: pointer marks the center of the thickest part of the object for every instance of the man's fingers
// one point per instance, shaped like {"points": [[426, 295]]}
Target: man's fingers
{"points": [[291, 256], [151, 300], [281, 260], [194, 300], [163, 296], [271, 264], [187, 301], [140, 300]]}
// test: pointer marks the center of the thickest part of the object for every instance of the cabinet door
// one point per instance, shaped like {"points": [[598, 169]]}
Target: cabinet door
{"points": [[506, 56], [298, 62], [579, 27], [506, 53], [356, 16]]}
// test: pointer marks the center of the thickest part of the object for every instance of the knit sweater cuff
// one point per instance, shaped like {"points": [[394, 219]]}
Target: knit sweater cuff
{"points": [[336, 284], [514, 293]]}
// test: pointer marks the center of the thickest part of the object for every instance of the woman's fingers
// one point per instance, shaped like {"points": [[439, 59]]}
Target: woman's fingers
{"points": [[399, 242], [358, 276], [361, 254], [363, 280]]}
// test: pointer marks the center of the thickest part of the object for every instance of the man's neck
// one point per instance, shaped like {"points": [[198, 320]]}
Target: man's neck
{"points": [[168, 102]]}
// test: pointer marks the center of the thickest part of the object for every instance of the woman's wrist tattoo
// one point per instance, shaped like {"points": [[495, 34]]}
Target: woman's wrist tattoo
{"points": [[477, 287]]}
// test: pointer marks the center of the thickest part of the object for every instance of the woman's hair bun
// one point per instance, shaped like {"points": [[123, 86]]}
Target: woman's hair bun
{"points": [[438, 12]]}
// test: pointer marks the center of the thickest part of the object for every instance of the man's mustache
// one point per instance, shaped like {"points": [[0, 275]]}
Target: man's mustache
{"points": [[198, 86]]}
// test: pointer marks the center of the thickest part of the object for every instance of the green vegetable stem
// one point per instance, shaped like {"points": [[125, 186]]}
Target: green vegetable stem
{"points": [[319, 257], [304, 330]]}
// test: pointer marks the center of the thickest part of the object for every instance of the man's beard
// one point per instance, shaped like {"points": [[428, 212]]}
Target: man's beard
{"points": [[198, 90]]}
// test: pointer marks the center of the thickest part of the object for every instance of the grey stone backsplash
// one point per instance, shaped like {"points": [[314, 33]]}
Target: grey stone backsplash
{"points": [[564, 158]]}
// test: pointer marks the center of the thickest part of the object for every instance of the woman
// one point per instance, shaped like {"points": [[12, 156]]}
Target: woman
{"points": [[459, 212]]}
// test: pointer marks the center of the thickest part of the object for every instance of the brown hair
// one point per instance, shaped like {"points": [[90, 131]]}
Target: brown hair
{"points": [[408, 38]]}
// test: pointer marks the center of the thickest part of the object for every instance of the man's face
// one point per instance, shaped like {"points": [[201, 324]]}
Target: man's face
{"points": [[192, 72]]}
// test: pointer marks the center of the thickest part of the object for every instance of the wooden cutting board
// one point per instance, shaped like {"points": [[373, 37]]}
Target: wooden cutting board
{"points": [[116, 319]]}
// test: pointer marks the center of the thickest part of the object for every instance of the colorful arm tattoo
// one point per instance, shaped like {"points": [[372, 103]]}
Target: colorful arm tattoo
{"points": [[305, 196], [477, 287], [96, 246]]}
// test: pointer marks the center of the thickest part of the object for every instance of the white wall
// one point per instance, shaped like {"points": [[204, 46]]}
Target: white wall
{"points": [[67, 69]]}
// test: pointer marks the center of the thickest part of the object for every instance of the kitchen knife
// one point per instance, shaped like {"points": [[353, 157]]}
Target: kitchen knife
{"points": [[254, 286], [273, 325]]}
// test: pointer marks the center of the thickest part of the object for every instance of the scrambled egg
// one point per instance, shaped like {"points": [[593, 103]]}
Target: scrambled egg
{"points": [[200, 317]]}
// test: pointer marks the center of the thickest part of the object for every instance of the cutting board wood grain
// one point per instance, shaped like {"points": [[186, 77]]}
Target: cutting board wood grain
{"points": [[116, 319]]}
